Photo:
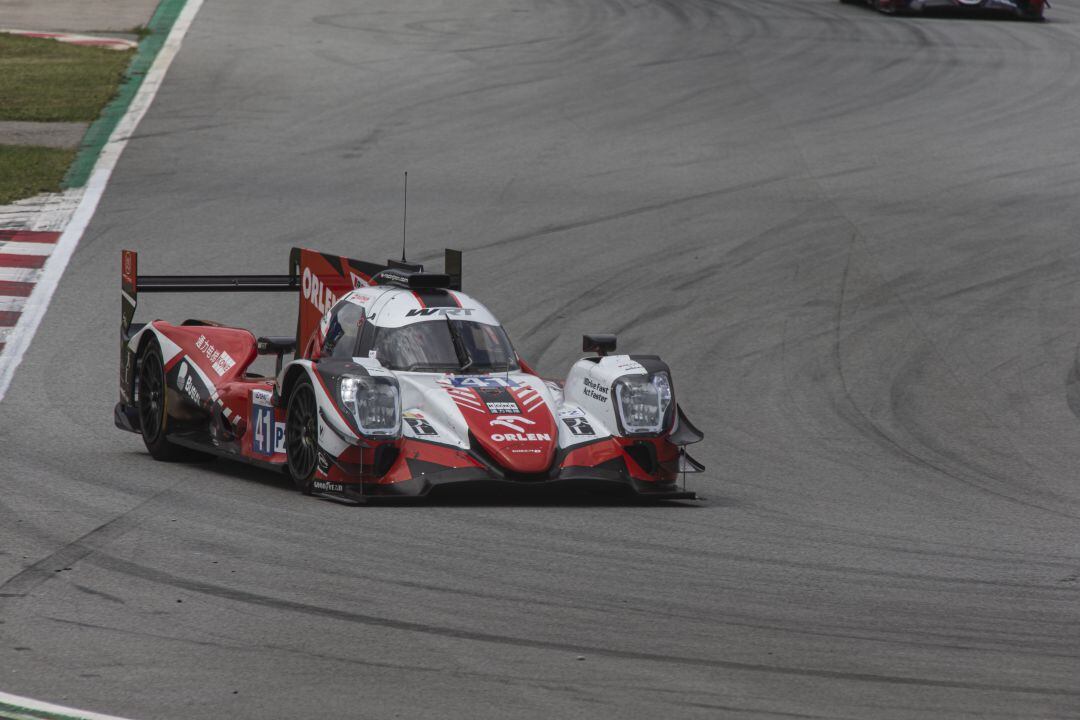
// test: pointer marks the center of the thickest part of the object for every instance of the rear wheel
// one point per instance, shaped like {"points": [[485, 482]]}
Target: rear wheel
{"points": [[153, 406], [302, 434]]}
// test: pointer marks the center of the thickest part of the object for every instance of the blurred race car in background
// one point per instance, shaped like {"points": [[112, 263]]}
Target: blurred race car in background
{"points": [[1024, 9], [399, 383]]}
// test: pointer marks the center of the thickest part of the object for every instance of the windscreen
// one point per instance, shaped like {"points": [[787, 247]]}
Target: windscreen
{"points": [[430, 347]]}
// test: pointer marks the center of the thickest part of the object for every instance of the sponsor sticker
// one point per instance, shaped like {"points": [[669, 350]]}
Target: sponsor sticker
{"points": [[327, 486], [579, 426], [425, 312], [518, 425], [503, 408], [521, 437], [420, 426], [224, 363], [595, 390], [263, 428], [192, 391], [220, 360]]}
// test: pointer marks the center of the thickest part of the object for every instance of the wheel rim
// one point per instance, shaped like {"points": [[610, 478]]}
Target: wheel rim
{"points": [[151, 396], [302, 434]]}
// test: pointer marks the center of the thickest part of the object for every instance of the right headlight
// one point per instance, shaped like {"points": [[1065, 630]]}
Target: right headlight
{"points": [[375, 404], [643, 403]]}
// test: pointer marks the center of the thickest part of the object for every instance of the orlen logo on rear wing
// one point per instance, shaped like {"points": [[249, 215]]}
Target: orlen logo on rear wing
{"points": [[323, 279]]}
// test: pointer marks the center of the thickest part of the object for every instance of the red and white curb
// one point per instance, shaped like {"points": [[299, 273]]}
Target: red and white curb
{"points": [[22, 255], [29, 231], [74, 39], [21, 708], [67, 214]]}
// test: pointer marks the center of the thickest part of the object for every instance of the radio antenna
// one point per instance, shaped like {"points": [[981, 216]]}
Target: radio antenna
{"points": [[404, 216]]}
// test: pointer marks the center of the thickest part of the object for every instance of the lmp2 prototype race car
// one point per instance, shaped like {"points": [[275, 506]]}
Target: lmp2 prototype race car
{"points": [[399, 384], [1023, 9]]}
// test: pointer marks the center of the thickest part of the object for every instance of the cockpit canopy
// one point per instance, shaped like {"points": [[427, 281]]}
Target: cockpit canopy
{"points": [[450, 346], [435, 342]]}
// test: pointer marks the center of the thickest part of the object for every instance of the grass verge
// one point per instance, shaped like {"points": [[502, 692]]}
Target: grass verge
{"points": [[27, 170], [46, 80]]}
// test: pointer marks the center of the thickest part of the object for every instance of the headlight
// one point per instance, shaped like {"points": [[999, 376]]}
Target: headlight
{"points": [[643, 402], [375, 405]]}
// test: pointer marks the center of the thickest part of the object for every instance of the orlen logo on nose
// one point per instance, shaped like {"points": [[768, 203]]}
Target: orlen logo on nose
{"points": [[316, 291], [517, 424]]}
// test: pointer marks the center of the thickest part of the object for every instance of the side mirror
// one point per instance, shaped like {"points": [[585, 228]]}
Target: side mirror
{"points": [[599, 344]]}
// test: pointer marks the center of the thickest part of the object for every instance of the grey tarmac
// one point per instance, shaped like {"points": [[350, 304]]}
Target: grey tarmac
{"points": [[854, 239]]}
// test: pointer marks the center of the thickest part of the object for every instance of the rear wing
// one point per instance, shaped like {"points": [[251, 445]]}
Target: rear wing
{"points": [[131, 284], [319, 278]]}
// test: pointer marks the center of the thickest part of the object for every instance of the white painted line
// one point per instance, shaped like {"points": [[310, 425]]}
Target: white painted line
{"points": [[21, 248], [8, 303], [19, 274], [5, 333], [38, 302], [44, 707]]}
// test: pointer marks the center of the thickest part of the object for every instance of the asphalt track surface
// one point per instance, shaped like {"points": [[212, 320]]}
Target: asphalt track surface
{"points": [[853, 237]]}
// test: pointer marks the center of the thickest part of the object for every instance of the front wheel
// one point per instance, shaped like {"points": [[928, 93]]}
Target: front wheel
{"points": [[302, 434]]}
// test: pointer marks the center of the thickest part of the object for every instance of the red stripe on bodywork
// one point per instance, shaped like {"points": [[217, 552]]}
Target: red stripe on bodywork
{"points": [[11, 288], [419, 299], [454, 297], [22, 261], [8, 318], [33, 236]]}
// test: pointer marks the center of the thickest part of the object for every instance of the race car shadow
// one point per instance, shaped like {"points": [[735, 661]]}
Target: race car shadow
{"points": [[500, 496], [975, 14], [952, 14], [464, 496]]}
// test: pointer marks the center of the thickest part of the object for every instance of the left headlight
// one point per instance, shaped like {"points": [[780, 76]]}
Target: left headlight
{"points": [[643, 402], [375, 404]]}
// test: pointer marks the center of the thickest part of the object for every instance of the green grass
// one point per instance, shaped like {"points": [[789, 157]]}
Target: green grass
{"points": [[27, 170], [46, 80]]}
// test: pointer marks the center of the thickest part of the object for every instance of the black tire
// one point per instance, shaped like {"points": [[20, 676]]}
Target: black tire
{"points": [[153, 405], [302, 434]]}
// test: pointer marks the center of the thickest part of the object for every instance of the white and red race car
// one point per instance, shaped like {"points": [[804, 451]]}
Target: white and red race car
{"points": [[399, 384]]}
